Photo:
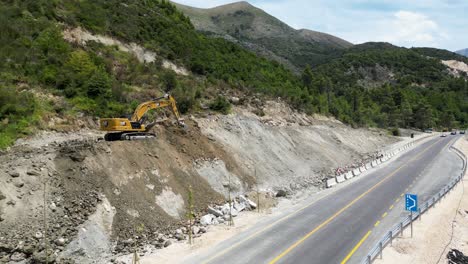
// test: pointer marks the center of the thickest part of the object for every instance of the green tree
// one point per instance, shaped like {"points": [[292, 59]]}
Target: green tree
{"points": [[423, 116], [447, 120], [406, 114], [307, 77], [99, 85]]}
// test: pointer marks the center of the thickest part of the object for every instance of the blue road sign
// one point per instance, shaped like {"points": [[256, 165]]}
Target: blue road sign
{"points": [[411, 203]]}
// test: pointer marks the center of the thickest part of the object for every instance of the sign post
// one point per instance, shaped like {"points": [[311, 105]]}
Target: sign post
{"points": [[411, 204]]}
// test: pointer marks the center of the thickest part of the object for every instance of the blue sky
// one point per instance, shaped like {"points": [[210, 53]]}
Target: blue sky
{"points": [[428, 23]]}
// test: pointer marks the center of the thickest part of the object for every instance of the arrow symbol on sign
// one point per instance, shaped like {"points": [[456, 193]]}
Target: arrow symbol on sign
{"points": [[413, 204]]}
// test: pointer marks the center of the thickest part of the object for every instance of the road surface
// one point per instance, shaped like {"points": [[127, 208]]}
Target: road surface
{"points": [[341, 225]]}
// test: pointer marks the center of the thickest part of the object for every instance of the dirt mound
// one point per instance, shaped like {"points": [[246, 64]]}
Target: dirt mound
{"points": [[146, 182]]}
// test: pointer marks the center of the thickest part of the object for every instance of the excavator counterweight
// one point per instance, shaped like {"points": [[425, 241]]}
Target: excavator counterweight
{"points": [[133, 128]]}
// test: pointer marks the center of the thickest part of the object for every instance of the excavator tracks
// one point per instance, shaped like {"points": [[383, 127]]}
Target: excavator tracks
{"points": [[128, 136]]}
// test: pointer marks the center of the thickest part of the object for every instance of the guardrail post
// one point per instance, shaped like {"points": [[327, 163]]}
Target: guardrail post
{"points": [[401, 229], [381, 249], [420, 215], [391, 238], [369, 259]]}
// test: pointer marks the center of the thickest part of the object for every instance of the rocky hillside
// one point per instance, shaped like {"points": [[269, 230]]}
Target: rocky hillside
{"points": [[102, 199], [266, 35], [463, 52]]}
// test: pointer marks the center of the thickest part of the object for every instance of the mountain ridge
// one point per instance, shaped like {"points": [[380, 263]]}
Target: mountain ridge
{"points": [[266, 35], [463, 52]]}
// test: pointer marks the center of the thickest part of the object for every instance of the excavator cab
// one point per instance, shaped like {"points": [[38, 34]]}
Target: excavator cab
{"points": [[129, 128]]}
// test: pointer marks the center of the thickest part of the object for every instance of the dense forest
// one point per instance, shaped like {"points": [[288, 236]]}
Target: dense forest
{"points": [[417, 91], [100, 80]]}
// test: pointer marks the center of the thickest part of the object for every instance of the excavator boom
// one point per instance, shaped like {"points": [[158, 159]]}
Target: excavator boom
{"points": [[160, 102]]}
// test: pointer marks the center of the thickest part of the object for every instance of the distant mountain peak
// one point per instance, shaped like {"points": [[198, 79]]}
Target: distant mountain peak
{"points": [[463, 52], [266, 35], [240, 4]]}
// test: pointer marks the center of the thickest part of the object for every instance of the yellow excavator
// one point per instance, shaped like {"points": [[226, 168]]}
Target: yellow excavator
{"points": [[133, 128]]}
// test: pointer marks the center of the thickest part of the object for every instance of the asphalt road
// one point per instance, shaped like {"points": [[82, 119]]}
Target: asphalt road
{"points": [[341, 225]]}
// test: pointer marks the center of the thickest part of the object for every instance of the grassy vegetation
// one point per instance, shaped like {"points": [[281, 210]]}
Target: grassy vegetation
{"points": [[18, 110]]}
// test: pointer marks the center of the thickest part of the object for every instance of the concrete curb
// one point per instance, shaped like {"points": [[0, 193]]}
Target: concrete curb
{"points": [[368, 166], [340, 178], [349, 175], [356, 172], [331, 182], [387, 155]]}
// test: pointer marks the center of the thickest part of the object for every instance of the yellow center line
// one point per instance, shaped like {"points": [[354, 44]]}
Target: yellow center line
{"points": [[324, 223], [397, 200], [391, 207], [401, 195], [356, 247], [384, 215], [376, 223], [360, 242]]}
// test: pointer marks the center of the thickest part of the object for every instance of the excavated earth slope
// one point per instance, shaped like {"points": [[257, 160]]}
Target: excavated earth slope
{"points": [[103, 198]]}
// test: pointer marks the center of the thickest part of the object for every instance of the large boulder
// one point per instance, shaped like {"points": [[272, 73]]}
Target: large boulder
{"points": [[281, 193], [215, 212], [247, 202], [239, 206], [225, 209], [207, 219]]}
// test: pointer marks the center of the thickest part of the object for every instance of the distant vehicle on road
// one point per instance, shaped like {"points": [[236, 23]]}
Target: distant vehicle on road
{"points": [[443, 135], [454, 132], [462, 132], [429, 130]]}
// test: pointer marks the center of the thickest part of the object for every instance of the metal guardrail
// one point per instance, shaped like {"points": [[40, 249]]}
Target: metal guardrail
{"points": [[407, 220]]}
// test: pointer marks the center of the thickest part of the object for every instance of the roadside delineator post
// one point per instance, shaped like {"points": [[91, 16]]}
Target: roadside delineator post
{"points": [[381, 249]]}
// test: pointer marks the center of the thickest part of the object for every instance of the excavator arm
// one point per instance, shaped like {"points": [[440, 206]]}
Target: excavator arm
{"points": [[161, 102]]}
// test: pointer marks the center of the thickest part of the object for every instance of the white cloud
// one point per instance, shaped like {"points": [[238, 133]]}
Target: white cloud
{"points": [[411, 29]]}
